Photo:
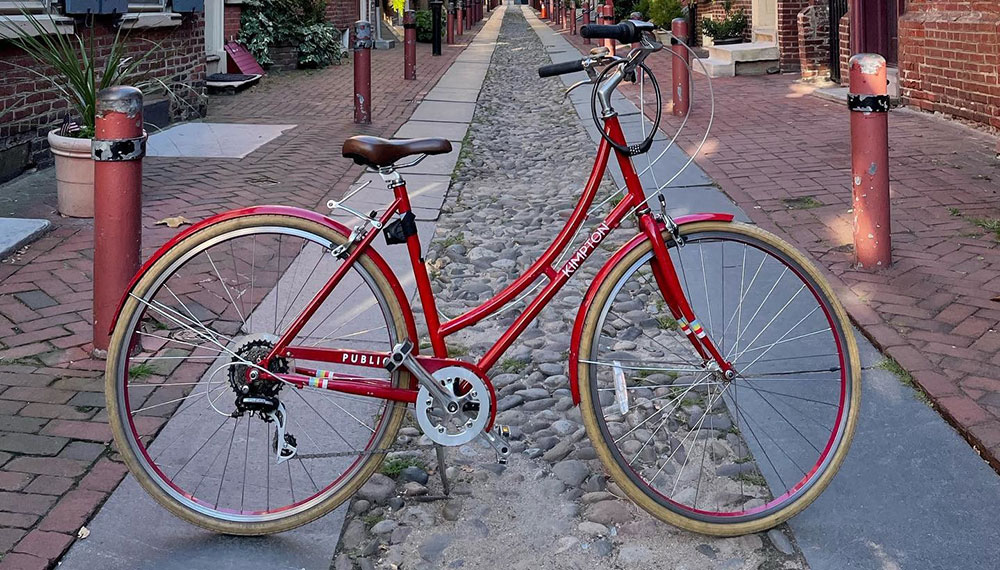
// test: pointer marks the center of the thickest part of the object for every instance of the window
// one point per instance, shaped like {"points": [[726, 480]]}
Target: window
{"points": [[13, 18]]}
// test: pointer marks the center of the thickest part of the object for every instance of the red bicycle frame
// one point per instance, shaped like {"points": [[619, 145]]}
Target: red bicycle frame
{"points": [[634, 200]]}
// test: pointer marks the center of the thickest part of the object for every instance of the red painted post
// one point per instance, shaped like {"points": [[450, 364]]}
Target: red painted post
{"points": [[681, 87], [362, 72], [460, 19], [118, 147], [609, 20], [572, 13], [409, 45], [468, 14], [451, 23], [545, 10], [868, 101], [586, 19]]}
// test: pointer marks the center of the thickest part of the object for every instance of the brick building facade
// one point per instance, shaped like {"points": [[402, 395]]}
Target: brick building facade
{"points": [[945, 53], [948, 57], [30, 106]]}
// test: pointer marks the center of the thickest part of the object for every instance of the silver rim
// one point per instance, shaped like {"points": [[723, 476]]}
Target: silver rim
{"points": [[208, 395], [711, 450]]}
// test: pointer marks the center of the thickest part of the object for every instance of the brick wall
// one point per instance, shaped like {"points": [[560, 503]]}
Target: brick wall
{"points": [[845, 45], [30, 107], [231, 21], [343, 13], [788, 32], [949, 54], [814, 40]]}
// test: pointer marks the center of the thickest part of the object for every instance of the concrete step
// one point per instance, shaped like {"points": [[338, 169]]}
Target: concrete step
{"points": [[715, 67], [752, 51]]}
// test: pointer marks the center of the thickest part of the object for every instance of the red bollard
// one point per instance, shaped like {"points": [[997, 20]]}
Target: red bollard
{"points": [[545, 10], [451, 23], [362, 72], [409, 44], [609, 20], [572, 12], [117, 149], [586, 20], [680, 67], [460, 18], [868, 101]]}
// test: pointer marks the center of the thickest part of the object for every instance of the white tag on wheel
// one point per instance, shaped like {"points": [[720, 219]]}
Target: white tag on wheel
{"points": [[621, 391]]}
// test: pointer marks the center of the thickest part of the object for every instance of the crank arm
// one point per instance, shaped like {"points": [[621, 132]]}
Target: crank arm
{"points": [[402, 355], [499, 442]]}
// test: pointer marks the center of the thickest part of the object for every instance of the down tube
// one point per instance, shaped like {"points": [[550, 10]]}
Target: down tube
{"points": [[563, 275]]}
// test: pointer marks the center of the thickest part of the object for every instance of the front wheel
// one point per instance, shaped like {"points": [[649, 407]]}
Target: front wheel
{"points": [[694, 448], [215, 449]]}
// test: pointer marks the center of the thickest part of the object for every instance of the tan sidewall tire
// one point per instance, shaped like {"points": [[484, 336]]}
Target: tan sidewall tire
{"points": [[591, 421], [120, 430]]}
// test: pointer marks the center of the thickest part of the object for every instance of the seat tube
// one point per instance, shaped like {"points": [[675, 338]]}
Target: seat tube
{"points": [[421, 276]]}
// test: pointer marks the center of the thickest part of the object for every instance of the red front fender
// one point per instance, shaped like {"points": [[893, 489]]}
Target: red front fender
{"points": [[574, 351], [283, 211]]}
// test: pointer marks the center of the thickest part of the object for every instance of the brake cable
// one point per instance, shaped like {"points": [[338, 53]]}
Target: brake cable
{"points": [[647, 143]]}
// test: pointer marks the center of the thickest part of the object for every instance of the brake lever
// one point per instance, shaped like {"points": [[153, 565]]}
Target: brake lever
{"points": [[599, 58], [590, 73]]}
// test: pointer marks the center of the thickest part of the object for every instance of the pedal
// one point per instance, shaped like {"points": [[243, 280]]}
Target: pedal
{"points": [[499, 442], [398, 355]]}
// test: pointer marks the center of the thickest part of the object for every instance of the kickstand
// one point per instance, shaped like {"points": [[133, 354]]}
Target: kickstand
{"points": [[441, 469]]}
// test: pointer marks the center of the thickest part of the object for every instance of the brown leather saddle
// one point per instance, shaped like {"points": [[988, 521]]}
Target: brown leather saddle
{"points": [[377, 152]]}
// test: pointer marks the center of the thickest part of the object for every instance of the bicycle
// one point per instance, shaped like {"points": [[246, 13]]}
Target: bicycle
{"points": [[306, 363]]}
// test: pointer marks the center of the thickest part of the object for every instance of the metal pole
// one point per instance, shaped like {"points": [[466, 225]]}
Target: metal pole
{"points": [[461, 15], [410, 44], [117, 149], [868, 102], [435, 27], [572, 12], [451, 22], [681, 79], [586, 19], [362, 72]]}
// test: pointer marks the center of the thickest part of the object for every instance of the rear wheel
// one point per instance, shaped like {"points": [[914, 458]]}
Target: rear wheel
{"points": [[194, 432], [706, 453]]}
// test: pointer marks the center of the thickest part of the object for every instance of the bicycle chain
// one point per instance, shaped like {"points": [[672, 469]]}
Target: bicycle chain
{"points": [[361, 452]]}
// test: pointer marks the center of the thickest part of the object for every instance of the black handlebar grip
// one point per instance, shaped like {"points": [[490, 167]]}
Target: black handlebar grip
{"points": [[625, 32], [560, 68]]}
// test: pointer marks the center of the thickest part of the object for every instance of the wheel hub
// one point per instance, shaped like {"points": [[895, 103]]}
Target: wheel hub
{"points": [[255, 392]]}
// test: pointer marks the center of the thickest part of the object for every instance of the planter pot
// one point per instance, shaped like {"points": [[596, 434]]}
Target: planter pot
{"points": [[727, 41], [74, 175]]}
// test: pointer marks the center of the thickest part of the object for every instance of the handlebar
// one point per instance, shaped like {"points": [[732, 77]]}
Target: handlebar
{"points": [[562, 68], [625, 32]]}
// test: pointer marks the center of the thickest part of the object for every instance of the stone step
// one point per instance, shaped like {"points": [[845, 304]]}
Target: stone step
{"points": [[715, 67], [752, 51]]}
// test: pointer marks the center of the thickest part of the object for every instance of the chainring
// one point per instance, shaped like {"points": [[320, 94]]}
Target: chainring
{"points": [[474, 405]]}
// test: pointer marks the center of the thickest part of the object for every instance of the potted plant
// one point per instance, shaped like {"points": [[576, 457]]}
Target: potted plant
{"points": [[661, 13], [728, 30], [70, 64]]}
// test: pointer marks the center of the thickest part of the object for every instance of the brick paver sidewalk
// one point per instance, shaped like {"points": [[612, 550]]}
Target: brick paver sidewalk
{"points": [[56, 462], [783, 155]]}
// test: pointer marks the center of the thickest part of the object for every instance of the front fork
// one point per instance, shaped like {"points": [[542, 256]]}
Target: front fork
{"points": [[670, 287]]}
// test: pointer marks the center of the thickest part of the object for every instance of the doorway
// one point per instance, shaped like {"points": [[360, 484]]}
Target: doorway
{"points": [[878, 28], [765, 20], [214, 37]]}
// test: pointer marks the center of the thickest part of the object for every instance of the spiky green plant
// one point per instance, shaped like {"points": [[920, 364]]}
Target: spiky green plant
{"points": [[78, 73]]}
